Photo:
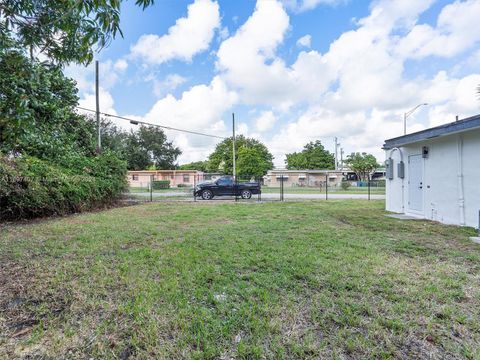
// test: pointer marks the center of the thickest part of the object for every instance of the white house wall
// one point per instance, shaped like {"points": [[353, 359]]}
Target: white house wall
{"points": [[471, 176], [441, 197], [441, 185], [394, 188]]}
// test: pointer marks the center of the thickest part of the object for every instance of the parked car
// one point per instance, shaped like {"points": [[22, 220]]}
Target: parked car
{"points": [[226, 186]]}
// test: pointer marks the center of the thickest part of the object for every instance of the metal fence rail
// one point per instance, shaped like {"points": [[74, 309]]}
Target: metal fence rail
{"points": [[183, 186]]}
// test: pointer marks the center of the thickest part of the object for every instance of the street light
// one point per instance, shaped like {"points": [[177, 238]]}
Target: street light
{"points": [[407, 114]]}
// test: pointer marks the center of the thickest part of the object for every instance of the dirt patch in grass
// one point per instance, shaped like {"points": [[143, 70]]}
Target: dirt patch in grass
{"points": [[28, 304]]}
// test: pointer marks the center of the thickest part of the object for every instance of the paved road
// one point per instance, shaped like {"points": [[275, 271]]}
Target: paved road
{"points": [[272, 196]]}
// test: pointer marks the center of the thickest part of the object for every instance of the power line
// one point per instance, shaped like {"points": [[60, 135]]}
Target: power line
{"points": [[136, 122]]}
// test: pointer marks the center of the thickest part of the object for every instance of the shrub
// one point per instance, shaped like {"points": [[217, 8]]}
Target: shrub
{"points": [[345, 185], [161, 184], [30, 187], [182, 185]]}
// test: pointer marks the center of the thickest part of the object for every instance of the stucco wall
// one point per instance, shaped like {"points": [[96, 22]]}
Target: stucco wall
{"points": [[441, 185], [303, 178], [471, 176]]}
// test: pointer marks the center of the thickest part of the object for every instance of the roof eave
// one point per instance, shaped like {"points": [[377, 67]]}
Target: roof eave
{"points": [[456, 127]]}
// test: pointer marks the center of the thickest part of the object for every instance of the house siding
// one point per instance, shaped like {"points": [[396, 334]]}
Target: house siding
{"points": [[306, 178], [176, 177], [441, 182]]}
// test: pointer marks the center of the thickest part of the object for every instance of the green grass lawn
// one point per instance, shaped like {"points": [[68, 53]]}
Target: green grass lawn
{"points": [[332, 279]]}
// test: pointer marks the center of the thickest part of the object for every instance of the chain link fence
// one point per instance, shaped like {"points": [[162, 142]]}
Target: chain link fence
{"points": [[166, 185]]}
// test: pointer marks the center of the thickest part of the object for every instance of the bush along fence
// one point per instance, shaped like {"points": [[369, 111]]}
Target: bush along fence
{"points": [[193, 185], [30, 187]]}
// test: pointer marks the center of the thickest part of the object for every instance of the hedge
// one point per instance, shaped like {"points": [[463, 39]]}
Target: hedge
{"points": [[161, 184], [30, 187]]}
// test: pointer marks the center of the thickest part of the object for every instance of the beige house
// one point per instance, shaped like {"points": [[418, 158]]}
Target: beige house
{"points": [[303, 178], [142, 178]]}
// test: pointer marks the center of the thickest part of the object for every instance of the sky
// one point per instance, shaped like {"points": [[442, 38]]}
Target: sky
{"points": [[292, 71]]}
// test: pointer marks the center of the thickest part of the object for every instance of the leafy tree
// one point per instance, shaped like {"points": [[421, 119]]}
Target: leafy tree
{"points": [[312, 157], [114, 138], [143, 149], [63, 31], [152, 141], [38, 118], [362, 164], [250, 162], [222, 158], [196, 165], [37, 111]]}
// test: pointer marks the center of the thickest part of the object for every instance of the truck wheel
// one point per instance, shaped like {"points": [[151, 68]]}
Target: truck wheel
{"points": [[207, 195], [246, 194]]}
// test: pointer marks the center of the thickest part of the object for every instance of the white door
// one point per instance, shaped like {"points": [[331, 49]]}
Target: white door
{"points": [[415, 183]]}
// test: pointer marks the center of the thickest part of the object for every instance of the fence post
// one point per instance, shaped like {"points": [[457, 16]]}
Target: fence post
{"points": [[281, 187], [235, 186], [151, 188], [326, 186], [368, 184], [194, 187], [259, 197]]}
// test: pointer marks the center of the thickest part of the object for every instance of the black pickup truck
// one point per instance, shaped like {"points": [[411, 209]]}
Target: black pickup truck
{"points": [[226, 186]]}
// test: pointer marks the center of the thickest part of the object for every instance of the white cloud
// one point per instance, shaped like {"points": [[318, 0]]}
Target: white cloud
{"points": [[305, 41], [120, 65], [304, 5], [247, 61], [460, 98], [367, 91], [357, 90], [201, 108], [189, 36], [223, 33], [242, 129], [106, 101], [265, 121], [109, 73], [170, 83], [452, 35]]}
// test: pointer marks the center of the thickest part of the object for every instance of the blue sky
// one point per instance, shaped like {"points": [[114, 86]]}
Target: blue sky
{"points": [[292, 71]]}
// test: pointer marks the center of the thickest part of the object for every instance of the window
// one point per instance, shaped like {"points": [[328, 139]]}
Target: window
{"points": [[225, 181], [186, 178], [171, 177], [135, 177]]}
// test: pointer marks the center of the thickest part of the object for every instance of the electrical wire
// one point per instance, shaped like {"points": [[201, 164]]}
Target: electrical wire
{"points": [[136, 122]]}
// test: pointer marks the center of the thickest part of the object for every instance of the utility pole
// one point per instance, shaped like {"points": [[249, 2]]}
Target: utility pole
{"points": [[341, 159], [337, 145], [234, 165], [97, 113], [336, 155]]}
